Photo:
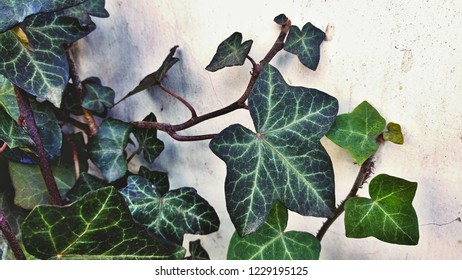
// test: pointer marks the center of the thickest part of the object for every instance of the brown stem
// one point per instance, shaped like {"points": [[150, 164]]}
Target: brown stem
{"points": [[11, 237], [3, 147], [80, 92], [27, 118], [181, 99]]}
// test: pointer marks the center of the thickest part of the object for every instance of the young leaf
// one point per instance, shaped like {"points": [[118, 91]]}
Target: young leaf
{"points": [[106, 148], [156, 77], [305, 44], [98, 98], [30, 188], [284, 159], [172, 215], [48, 127], [197, 251], [394, 134], [85, 184], [12, 133], [149, 144], [8, 98], [98, 226], [270, 242], [14, 12], [230, 52], [356, 131], [388, 215], [281, 19], [157, 178]]}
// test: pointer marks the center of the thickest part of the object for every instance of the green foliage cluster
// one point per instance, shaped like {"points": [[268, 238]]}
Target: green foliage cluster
{"points": [[275, 167]]}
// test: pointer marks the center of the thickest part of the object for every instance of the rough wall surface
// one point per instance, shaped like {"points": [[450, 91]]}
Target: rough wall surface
{"points": [[404, 58]]}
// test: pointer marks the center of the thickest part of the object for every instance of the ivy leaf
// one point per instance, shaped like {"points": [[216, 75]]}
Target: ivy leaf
{"points": [[30, 188], [83, 11], [305, 44], [85, 184], [230, 52], [14, 12], [157, 178], [8, 98], [12, 133], [356, 131], [281, 19], [284, 159], [98, 98], [394, 134], [156, 77], [33, 56], [197, 251], [172, 215], [107, 148], [48, 127], [149, 144], [270, 242], [98, 226], [388, 215]]}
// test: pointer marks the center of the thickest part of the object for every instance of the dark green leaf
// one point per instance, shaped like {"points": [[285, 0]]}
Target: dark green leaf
{"points": [[284, 160], [156, 77], [106, 148], [14, 12], [70, 101], [388, 215], [12, 133], [394, 134], [157, 178], [98, 226], [8, 98], [305, 44], [172, 215], [48, 127], [281, 19], [270, 242], [356, 131], [30, 188], [197, 251], [98, 98], [90, 7], [85, 184], [230, 52], [149, 144]]}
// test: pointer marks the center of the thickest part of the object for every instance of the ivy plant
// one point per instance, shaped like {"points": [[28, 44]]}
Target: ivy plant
{"points": [[54, 206]]}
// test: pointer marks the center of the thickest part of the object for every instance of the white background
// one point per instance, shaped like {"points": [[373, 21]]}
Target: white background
{"points": [[405, 59]]}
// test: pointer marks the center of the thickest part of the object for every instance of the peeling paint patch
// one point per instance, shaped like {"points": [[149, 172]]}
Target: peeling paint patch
{"points": [[407, 61]]}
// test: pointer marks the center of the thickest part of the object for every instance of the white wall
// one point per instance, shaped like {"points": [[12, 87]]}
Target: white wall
{"points": [[405, 59]]}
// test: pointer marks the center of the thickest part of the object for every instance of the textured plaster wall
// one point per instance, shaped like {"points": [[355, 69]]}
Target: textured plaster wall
{"points": [[404, 57]]}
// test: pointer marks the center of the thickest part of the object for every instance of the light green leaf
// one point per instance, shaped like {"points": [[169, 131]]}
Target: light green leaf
{"points": [[197, 251], [394, 133], [284, 159], [29, 186], [388, 215], [12, 133], [85, 184], [98, 98], [230, 52], [98, 226], [107, 148], [172, 215], [48, 127], [15, 11], [305, 44], [356, 131], [149, 144], [8, 98], [157, 178], [270, 242]]}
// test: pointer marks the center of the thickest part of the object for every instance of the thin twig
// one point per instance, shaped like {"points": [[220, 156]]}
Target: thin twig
{"points": [[3, 147], [181, 99], [11, 237], [26, 116]]}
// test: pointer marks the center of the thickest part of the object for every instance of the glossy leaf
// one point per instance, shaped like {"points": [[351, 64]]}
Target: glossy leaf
{"points": [[85, 184], [284, 159], [356, 131], [40, 67], [107, 148], [270, 242], [388, 215], [8, 98], [98, 98], [90, 7], [98, 226], [281, 19], [305, 44], [11, 133], [14, 12], [197, 251], [394, 134], [172, 215], [48, 128], [149, 144], [230, 52], [157, 178], [29, 186], [155, 78]]}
